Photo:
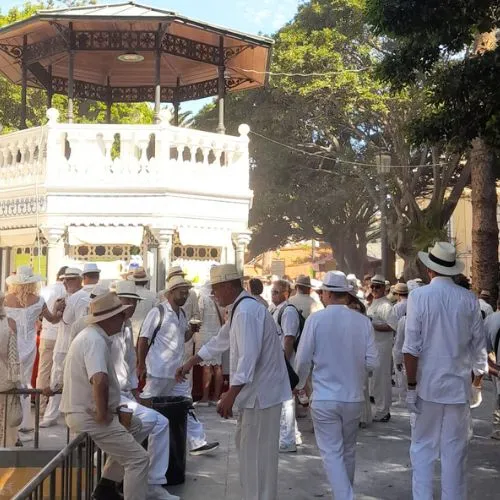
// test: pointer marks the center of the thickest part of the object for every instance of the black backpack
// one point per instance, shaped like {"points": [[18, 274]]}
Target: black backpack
{"points": [[302, 321]]}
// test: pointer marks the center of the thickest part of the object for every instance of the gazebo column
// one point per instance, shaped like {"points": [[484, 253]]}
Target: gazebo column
{"points": [[158, 75], [177, 104], [240, 242], [4, 266], [165, 239], [109, 102], [71, 75], [24, 86], [221, 128], [50, 90], [55, 251]]}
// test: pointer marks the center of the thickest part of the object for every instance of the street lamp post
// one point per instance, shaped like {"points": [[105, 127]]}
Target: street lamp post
{"points": [[383, 161]]}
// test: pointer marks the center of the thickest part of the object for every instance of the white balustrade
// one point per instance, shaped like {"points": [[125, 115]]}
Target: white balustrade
{"points": [[86, 157]]}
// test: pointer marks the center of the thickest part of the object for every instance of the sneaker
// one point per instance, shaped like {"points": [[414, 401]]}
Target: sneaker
{"points": [[48, 423], [106, 490], [495, 435], [25, 437], [26, 429], [383, 419], [288, 448], [203, 450], [158, 492], [201, 404], [363, 425], [302, 397], [298, 440]]}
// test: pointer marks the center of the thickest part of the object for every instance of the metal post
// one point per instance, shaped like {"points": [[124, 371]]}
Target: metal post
{"points": [[24, 86], [37, 419], [71, 75], [221, 128], [158, 76], [383, 224]]}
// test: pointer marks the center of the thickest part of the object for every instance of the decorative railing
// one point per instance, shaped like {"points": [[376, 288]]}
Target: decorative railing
{"points": [[65, 156]]}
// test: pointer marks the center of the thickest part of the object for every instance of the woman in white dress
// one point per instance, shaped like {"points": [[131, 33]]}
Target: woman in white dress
{"points": [[9, 367], [212, 318], [24, 306]]}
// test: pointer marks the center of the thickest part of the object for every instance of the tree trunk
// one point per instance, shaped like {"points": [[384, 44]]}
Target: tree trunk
{"points": [[391, 265], [484, 220]]}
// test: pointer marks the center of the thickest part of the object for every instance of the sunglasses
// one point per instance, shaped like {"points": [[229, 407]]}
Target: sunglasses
{"points": [[376, 287]]}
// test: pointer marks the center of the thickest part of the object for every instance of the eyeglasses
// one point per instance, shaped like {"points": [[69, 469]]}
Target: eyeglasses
{"points": [[376, 287]]}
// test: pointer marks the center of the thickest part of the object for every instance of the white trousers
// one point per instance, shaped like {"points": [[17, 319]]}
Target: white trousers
{"points": [[496, 407], [257, 442], [155, 428], [26, 366], [56, 379], [440, 429], [128, 460], [382, 381], [289, 430], [156, 387], [366, 411], [336, 428]]}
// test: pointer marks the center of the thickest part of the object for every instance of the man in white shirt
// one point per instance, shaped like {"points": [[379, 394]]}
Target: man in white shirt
{"points": [[161, 354], [302, 299], [148, 299], [154, 425], [287, 320], [338, 344], [484, 303], [50, 294], [259, 382], [381, 382], [444, 343], [91, 397], [91, 274]]}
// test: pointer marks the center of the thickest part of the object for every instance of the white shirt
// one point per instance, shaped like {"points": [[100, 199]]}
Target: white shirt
{"points": [[124, 358], [290, 322], [339, 344], [88, 354], [165, 355], [444, 329], [149, 300], [51, 294], [380, 311], [305, 304], [397, 312], [485, 307], [492, 326], [256, 358], [397, 350]]}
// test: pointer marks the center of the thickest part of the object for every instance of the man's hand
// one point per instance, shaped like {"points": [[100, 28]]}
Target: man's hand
{"points": [[141, 372], [411, 401], [135, 393], [225, 405], [103, 418], [47, 391], [181, 372]]}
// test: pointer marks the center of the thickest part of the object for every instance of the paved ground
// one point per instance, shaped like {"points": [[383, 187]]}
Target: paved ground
{"points": [[383, 466]]}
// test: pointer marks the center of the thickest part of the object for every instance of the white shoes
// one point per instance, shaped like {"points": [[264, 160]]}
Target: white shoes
{"points": [[48, 423], [25, 437], [158, 492], [476, 397], [289, 448]]}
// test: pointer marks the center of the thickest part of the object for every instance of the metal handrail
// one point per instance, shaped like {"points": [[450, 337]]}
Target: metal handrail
{"points": [[21, 392], [64, 462]]}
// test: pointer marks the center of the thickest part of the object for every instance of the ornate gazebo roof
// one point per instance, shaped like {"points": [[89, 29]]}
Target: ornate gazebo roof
{"points": [[80, 46]]}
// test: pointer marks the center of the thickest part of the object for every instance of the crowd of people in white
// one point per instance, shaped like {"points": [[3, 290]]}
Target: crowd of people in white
{"points": [[338, 347]]}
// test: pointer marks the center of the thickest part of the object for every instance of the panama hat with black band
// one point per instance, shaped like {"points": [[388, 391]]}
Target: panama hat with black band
{"points": [[442, 259]]}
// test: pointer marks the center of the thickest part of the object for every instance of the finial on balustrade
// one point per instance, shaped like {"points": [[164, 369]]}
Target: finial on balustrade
{"points": [[53, 116], [165, 116], [244, 130]]}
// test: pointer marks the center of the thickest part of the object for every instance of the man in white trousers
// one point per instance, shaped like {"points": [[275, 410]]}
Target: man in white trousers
{"points": [[287, 320], [444, 344], [339, 345], [161, 353], [381, 382], [154, 425], [259, 382]]}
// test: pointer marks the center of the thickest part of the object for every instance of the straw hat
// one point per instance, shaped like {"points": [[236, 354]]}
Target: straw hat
{"points": [[224, 273], [336, 281], [99, 290], [378, 279], [127, 289], [104, 307], [175, 271], [442, 258], [139, 274], [177, 282], [72, 273], [24, 276], [90, 267], [303, 280], [401, 289]]}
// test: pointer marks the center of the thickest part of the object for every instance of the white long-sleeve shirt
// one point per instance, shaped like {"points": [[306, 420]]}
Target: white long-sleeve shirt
{"points": [[397, 350], [256, 358], [339, 344], [166, 353], [485, 307], [149, 300], [290, 322], [51, 294], [397, 312], [444, 329], [124, 358], [380, 312]]}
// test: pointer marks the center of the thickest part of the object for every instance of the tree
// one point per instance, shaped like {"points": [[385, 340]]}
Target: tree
{"points": [[439, 42]]}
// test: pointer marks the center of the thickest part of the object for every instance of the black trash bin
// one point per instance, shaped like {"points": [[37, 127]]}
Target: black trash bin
{"points": [[176, 409]]}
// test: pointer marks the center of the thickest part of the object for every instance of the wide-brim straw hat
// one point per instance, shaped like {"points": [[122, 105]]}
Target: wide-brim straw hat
{"points": [[336, 281], [72, 273], [378, 279], [104, 307], [224, 273], [139, 274], [400, 289], [175, 271], [127, 289], [24, 276], [177, 282], [442, 259], [90, 267], [304, 281]]}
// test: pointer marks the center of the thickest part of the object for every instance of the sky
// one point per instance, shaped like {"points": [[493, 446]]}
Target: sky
{"points": [[254, 16]]}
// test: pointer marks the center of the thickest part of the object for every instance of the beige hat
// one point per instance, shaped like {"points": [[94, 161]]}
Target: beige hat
{"points": [[98, 290], [24, 276], [127, 289], [442, 258], [175, 271], [400, 288], [303, 280], [71, 273], [177, 282], [139, 274], [104, 307], [224, 273]]}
